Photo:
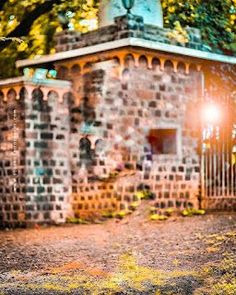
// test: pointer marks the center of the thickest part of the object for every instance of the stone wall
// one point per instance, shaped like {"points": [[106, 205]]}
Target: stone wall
{"points": [[93, 191], [47, 158], [126, 26], [113, 116], [88, 151], [220, 203], [12, 159], [35, 174]]}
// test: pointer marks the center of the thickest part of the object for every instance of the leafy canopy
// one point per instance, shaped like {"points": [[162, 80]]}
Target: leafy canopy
{"points": [[36, 21]]}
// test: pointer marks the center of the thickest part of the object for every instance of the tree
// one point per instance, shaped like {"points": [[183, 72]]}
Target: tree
{"points": [[36, 21], [215, 18]]}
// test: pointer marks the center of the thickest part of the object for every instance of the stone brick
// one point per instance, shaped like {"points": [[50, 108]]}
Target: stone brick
{"points": [[115, 117]]}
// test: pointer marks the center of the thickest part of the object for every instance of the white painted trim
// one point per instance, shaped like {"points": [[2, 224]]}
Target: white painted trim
{"points": [[16, 80], [154, 45], [74, 53], [182, 50], [44, 82]]}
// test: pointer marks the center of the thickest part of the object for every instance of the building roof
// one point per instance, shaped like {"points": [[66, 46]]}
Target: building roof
{"points": [[134, 42]]}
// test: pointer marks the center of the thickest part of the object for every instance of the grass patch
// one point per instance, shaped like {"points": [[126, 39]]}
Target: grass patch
{"points": [[157, 217], [129, 275], [144, 195], [191, 212], [74, 220]]}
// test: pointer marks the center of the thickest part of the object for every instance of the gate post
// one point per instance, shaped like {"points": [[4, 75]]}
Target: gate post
{"points": [[201, 154]]}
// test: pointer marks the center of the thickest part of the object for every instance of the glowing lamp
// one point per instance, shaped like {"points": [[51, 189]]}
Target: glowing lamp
{"points": [[211, 113]]}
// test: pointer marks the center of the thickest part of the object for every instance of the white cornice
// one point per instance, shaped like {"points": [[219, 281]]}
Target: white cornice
{"points": [[42, 82], [136, 42]]}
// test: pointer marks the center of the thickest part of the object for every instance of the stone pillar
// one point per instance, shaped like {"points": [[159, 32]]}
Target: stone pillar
{"points": [[12, 160], [47, 157]]}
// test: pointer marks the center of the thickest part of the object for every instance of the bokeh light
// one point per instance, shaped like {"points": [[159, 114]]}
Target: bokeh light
{"points": [[211, 113]]}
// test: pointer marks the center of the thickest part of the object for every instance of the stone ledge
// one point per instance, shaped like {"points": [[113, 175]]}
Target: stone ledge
{"points": [[136, 42], [125, 26], [42, 82]]}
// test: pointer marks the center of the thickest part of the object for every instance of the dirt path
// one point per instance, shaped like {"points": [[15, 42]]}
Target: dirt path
{"points": [[31, 259]]}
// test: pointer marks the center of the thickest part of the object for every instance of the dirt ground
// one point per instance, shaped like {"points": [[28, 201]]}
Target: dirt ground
{"points": [[183, 255]]}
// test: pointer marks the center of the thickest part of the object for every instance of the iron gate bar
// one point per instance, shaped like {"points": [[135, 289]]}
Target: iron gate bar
{"points": [[217, 156]]}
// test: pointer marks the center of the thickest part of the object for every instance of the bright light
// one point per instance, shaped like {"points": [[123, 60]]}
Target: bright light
{"points": [[91, 24], [211, 113]]}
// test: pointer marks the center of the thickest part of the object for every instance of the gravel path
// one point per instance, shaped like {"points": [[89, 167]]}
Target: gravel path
{"points": [[29, 257]]}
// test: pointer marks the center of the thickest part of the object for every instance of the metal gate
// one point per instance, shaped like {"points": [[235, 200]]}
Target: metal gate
{"points": [[219, 152]]}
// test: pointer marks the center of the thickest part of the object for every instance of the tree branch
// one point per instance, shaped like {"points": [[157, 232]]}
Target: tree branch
{"points": [[2, 3], [28, 19]]}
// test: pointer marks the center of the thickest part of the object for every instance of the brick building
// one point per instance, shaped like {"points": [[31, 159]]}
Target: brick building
{"points": [[121, 115]]}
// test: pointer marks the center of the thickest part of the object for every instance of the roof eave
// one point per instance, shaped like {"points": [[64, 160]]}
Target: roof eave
{"points": [[136, 42], [33, 81]]}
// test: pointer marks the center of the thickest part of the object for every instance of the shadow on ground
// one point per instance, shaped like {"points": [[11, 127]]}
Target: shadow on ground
{"points": [[194, 255]]}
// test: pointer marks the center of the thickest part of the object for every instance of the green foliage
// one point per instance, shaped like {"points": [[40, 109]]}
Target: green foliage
{"points": [[39, 40], [133, 206], [222, 274], [179, 34], [74, 220], [128, 275], [122, 214], [216, 20], [191, 211], [144, 195], [153, 210], [210, 275], [155, 217], [169, 211], [108, 214], [226, 281], [74, 278]]}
